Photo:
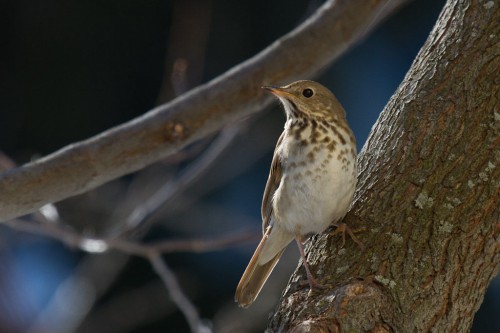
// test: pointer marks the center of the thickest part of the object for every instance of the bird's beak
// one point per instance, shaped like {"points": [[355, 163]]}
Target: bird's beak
{"points": [[277, 91]]}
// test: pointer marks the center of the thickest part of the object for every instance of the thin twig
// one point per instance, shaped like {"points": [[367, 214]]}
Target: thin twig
{"points": [[75, 240], [191, 174], [6, 162], [82, 166], [176, 294], [150, 251], [191, 245], [76, 295], [149, 298]]}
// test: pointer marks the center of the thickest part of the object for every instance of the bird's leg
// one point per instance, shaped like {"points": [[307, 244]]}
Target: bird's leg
{"points": [[344, 228], [313, 283]]}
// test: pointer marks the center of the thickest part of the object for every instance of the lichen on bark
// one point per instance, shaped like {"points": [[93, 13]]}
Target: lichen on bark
{"points": [[428, 194]]}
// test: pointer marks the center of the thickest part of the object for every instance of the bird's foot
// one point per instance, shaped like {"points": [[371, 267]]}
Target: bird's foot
{"points": [[344, 228], [312, 283]]}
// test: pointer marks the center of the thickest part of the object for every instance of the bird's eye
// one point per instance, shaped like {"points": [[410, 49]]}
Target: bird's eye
{"points": [[307, 93]]}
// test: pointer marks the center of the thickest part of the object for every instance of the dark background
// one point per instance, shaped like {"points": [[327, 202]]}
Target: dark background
{"points": [[71, 69]]}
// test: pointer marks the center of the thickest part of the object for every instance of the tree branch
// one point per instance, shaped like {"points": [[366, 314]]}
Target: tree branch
{"points": [[150, 251], [428, 191], [171, 188], [164, 130], [177, 296], [76, 240]]}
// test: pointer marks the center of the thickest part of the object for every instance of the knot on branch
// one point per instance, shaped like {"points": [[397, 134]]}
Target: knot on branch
{"points": [[175, 131], [359, 306]]}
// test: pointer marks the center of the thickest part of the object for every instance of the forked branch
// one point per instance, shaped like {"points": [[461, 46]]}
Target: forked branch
{"points": [[164, 130]]}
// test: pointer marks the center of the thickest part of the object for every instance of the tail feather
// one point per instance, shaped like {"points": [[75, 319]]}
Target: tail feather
{"points": [[257, 272], [253, 280]]}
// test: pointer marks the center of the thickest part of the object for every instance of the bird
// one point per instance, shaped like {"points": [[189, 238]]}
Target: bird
{"points": [[311, 182]]}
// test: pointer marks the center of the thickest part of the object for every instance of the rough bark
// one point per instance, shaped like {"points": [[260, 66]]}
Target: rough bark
{"points": [[165, 130], [428, 195]]}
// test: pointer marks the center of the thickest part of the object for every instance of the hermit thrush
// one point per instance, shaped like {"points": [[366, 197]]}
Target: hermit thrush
{"points": [[311, 182]]}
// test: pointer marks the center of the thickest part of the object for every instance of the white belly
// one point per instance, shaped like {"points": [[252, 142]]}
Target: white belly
{"points": [[309, 200]]}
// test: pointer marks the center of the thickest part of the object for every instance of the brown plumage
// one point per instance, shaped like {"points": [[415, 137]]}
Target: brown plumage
{"points": [[311, 181]]}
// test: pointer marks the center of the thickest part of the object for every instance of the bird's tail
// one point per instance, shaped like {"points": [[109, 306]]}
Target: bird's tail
{"points": [[264, 259]]}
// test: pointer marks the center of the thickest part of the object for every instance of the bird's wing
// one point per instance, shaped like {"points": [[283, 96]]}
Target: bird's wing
{"points": [[272, 184]]}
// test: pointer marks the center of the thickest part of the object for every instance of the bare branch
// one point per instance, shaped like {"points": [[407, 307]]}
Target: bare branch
{"points": [[427, 192], [176, 294], [75, 240], [164, 130], [152, 252], [76, 295], [171, 188], [6, 162], [150, 298]]}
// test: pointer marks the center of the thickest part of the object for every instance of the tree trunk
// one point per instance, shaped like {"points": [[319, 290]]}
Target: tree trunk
{"points": [[428, 195]]}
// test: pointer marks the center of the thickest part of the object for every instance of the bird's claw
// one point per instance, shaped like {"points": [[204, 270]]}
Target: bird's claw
{"points": [[344, 228]]}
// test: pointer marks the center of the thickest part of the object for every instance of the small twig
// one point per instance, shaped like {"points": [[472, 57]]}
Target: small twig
{"points": [[184, 62], [191, 245], [75, 240], [68, 237], [6, 162], [149, 298], [192, 173], [76, 295], [176, 294], [82, 166], [150, 251]]}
